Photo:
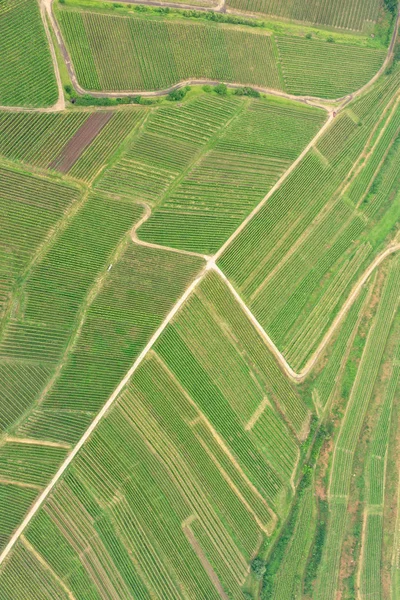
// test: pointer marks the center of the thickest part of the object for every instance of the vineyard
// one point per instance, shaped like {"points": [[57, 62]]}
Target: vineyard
{"points": [[295, 295], [344, 14], [125, 53], [23, 43], [230, 174], [199, 304]]}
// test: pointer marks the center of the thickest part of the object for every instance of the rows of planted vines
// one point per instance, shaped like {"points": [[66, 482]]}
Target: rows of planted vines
{"points": [[33, 83], [344, 14], [123, 53]]}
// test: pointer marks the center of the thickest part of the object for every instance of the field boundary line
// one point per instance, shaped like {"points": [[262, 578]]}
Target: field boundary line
{"points": [[34, 442], [204, 561], [40, 500]]}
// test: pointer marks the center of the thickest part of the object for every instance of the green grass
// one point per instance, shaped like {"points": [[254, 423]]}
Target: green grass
{"points": [[27, 77], [125, 53]]}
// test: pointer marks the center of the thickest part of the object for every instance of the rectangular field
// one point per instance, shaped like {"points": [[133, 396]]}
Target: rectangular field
{"points": [[26, 75], [344, 14]]}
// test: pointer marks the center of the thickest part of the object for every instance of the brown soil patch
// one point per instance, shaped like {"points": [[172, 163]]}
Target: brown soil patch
{"points": [[204, 561], [80, 141], [323, 463]]}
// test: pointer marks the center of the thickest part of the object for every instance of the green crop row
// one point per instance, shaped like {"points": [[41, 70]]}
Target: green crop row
{"points": [[295, 294], [121, 54]]}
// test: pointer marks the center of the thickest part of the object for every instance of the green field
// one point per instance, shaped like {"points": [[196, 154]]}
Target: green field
{"points": [[38, 138], [247, 147], [27, 76], [124, 53]]}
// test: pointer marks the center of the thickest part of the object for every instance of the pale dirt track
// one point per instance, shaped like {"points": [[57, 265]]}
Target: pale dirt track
{"points": [[210, 264]]}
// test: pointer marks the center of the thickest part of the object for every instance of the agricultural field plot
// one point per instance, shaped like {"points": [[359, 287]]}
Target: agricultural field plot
{"points": [[27, 75], [77, 143], [123, 53], [199, 302], [339, 202], [310, 66], [230, 175], [47, 302], [357, 15]]}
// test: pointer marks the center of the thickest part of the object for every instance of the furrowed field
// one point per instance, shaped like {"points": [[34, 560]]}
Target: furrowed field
{"points": [[230, 173], [201, 464], [124, 53], [26, 74]]}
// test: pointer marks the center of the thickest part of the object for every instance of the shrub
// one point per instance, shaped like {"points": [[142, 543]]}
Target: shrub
{"points": [[308, 36], [257, 567], [247, 91], [68, 89], [330, 39], [221, 89], [207, 88], [177, 94]]}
